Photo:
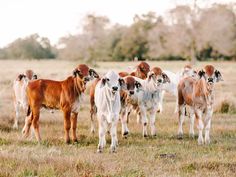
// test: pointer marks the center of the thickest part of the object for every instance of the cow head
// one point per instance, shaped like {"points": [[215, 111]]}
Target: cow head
{"points": [[188, 71], [132, 86], [113, 82], [157, 77], [30, 74], [210, 74], [83, 74], [142, 70]]}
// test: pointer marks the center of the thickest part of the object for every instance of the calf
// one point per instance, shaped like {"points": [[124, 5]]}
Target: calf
{"points": [[141, 71], [19, 93], [198, 94], [171, 87], [107, 101], [146, 98], [65, 95], [129, 99]]}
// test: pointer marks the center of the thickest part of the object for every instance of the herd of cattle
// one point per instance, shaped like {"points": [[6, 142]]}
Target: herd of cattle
{"points": [[115, 95]]}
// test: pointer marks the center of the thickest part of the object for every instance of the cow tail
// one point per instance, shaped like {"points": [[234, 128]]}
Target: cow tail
{"points": [[28, 111]]}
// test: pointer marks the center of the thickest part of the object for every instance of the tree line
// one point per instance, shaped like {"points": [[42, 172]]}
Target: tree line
{"points": [[185, 33]]}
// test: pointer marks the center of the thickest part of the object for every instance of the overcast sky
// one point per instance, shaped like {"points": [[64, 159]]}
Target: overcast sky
{"points": [[57, 18]]}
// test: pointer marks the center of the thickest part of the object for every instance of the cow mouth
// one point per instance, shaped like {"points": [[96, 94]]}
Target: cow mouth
{"points": [[113, 92]]}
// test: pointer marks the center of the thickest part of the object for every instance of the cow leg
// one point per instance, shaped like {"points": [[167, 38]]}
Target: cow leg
{"points": [[192, 118], [200, 126], [208, 125], [92, 116], [124, 120], [67, 125], [144, 121], [35, 122], [176, 105], [102, 133], [17, 111], [181, 120], [152, 122], [74, 126], [114, 140], [28, 122], [160, 103]]}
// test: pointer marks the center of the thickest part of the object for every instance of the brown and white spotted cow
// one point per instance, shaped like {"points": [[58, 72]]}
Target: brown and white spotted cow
{"points": [[64, 95], [129, 100], [19, 93], [199, 95]]}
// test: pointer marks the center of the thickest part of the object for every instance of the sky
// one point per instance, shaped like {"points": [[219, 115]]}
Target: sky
{"points": [[58, 18]]}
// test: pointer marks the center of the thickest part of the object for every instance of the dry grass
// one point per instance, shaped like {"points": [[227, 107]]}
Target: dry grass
{"points": [[163, 155]]}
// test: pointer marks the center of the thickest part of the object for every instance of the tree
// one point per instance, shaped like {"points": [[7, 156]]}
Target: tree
{"points": [[31, 47]]}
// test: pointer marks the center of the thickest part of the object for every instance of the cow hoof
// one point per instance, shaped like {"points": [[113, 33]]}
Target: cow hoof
{"points": [[99, 150], [75, 141], [180, 136], [125, 133], [145, 135], [207, 141], [200, 142], [68, 141], [154, 135], [113, 150], [191, 135], [15, 127]]}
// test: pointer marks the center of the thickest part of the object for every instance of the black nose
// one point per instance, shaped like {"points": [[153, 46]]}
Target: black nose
{"points": [[86, 79], [131, 92], [159, 80], [210, 79], [115, 88]]}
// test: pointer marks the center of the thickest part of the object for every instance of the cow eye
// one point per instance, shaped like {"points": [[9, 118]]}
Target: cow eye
{"points": [[108, 79]]}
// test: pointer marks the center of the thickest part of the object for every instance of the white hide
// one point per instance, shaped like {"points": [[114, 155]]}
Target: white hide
{"points": [[108, 106]]}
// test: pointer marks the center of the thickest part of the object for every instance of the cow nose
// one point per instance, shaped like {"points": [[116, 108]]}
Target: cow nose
{"points": [[131, 92], [159, 80], [210, 79], [115, 88], [86, 79]]}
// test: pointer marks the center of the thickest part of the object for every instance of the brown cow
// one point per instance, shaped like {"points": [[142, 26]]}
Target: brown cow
{"points": [[65, 95], [141, 71], [198, 94]]}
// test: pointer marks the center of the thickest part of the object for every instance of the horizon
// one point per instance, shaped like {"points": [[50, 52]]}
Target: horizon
{"points": [[67, 16]]}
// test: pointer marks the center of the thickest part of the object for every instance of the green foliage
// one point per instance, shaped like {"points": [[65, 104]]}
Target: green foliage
{"points": [[188, 35], [31, 47]]}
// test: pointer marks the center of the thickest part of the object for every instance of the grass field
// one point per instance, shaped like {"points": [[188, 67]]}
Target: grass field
{"points": [[163, 155]]}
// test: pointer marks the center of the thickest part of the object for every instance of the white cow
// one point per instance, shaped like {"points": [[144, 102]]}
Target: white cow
{"points": [[171, 87], [146, 98], [19, 95], [107, 101]]}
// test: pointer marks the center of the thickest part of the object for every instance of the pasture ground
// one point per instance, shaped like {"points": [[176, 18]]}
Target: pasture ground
{"points": [[163, 155]]}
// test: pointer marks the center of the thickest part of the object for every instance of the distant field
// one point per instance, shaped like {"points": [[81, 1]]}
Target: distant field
{"points": [[163, 155]]}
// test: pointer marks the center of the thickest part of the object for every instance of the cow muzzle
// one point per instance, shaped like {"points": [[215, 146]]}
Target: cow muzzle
{"points": [[210, 80], [131, 92], [114, 89]]}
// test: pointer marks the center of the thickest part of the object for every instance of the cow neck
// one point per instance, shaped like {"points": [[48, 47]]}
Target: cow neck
{"points": [[207, 92], [76, 88]]}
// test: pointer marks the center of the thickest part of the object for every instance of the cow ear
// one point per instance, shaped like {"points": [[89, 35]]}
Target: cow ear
{"points": [[121, 82], [20, 76], [218, 76], [104, 80], [138, 84], [35, 77], [150, 75], [93, 73], [76, 73], [201, 73], [165, 78]]}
